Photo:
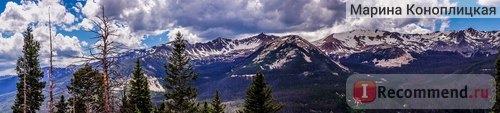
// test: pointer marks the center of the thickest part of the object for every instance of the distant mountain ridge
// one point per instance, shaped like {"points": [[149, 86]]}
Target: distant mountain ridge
{"points": [[297, 68], [466, 41], [289, 55]]}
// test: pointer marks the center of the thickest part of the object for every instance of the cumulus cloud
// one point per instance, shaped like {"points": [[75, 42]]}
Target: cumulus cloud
{"points": [[489, 2], [10, 48], [186, 33], [211, 19], [65, 49], [233, 18], [126, 37], [410, 26], [17, 17]]}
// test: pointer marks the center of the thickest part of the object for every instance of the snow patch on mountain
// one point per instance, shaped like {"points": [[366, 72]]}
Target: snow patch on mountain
{"points": [[307, 58], [154, 84], [224, 47], [280, 62], [466, 41], [396, 62], [246, 45], [341, 66], [244, 75]]}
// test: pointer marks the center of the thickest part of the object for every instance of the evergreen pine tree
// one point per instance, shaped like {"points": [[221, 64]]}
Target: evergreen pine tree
{"points": [[496, 106], [98, 97], [126, 107], [180, 93], [97, 101], [137, 110], [217, 105], [62, 105], [85, 90], [259, 97], [205, 108], [139, 95], [160, 109], [29, 95]]}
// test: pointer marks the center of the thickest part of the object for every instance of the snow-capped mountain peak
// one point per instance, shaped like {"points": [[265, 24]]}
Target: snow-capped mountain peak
{"points": [[291, 54], [465, 41]]}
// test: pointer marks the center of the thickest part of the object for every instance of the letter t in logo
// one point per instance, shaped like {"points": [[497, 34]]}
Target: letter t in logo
{"points": [[364, 91]]}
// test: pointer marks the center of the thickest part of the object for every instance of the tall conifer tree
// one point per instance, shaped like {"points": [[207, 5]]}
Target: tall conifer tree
{"points": [[217, 105], [259, 97], [496, 106], [181, 93], [205, 108], [62, 105], [126, 107], [29, 95], [140, 96], [86, 91]]}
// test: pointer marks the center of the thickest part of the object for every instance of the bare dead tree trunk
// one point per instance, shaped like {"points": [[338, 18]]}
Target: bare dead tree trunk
{"points": [[104, 61], [105, 74], [51, 82], [87, 108], [107, 52], [24, 93], [73, 104]]}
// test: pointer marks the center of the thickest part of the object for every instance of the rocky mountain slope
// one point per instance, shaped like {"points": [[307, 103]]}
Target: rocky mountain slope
{"points": [[305, 75]]}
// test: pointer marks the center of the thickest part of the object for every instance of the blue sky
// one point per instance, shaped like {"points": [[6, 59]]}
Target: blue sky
{"points": [[146, 23], [149, 41], [486, 24]]}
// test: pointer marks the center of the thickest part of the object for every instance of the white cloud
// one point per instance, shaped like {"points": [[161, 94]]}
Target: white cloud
{"points": [[410, 26], [309, 35], [186, 33], [84, 43], [90, 9], [489, 2], [225, 18], [126, 37], [10, 71], [10, 47], [122, 38], [86, 24], [66, 49], [205, 20], [17, 17], [78, 7]]}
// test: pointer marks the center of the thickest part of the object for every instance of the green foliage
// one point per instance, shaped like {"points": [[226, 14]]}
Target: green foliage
{"points": [[180, 92], [126, 107], [62, 105], [217, 105], [140, 95], [86, 90], [29, 73], [259, 97], [205, 108], [137, 110], [160, 109], [496, 106], [498, 67]]}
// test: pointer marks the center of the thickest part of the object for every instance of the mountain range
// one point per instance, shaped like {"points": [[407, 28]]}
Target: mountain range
{"points": [[305, 75]]}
